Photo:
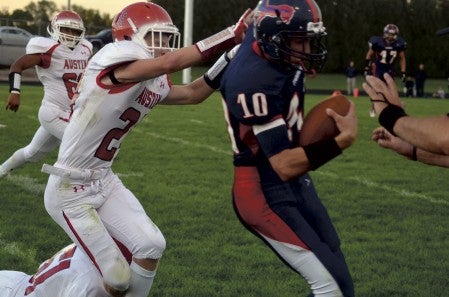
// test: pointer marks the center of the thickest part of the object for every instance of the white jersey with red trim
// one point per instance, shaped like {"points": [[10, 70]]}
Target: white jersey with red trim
{"points": [[104, 115], [69, 273], [61, 68]]}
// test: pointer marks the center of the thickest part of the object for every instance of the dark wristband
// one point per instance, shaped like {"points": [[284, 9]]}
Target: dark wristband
{"points": [[320, 152], [390, 115]]}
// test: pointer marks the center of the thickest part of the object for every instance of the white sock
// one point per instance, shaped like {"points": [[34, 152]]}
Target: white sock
{"points": [[141, 281], [15, 161]]}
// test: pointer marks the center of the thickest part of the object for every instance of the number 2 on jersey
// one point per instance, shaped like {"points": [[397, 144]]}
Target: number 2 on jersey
{"points": [[105, 151]]}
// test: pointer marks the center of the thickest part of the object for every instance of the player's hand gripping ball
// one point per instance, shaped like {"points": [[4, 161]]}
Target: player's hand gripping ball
{"points": [[318, 125]]}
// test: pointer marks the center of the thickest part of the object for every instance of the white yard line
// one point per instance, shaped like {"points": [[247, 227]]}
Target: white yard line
{"points": [[362, 181], [377, 186]]}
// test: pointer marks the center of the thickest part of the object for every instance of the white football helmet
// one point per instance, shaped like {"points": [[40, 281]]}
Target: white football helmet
{"points": [[137, 20], [67, 19]]}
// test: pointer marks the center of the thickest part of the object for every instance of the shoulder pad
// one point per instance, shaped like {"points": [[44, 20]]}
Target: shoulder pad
{"points": [[374, 40], [86, 43], [39, 45], [119, 52]]}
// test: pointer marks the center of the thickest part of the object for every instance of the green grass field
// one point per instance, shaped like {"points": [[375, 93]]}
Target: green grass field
{"points": [[392, 214]]}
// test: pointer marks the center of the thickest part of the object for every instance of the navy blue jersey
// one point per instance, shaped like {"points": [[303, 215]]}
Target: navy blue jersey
{"points": [[385, 54], [262, 93]]}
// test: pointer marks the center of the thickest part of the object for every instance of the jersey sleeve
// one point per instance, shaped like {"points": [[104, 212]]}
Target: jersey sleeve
{"points": [[374, 43], [273, 137], [262, 110], [39, 45]]}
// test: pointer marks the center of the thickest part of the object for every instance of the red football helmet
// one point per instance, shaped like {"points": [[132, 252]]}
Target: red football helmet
{"points": [[67, 19], [137, 20]]}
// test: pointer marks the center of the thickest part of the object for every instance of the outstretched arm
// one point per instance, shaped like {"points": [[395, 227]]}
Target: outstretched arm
{"points": [[197, 91], [430, 134], [386, 140], [203, 50]]}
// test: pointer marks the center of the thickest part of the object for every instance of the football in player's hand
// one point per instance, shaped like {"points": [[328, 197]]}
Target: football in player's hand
{"points": [[318, 125]]}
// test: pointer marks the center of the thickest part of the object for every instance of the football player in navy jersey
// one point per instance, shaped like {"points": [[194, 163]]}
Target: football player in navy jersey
{"points": [[384, 50], [263, 91]]}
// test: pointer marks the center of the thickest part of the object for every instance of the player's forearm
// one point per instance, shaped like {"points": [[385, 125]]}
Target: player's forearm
{"points": [[290, 163], [430, 134], [432, 159]]}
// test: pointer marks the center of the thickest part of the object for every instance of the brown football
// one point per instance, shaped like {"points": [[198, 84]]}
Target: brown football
{"points": [[318, 125]]}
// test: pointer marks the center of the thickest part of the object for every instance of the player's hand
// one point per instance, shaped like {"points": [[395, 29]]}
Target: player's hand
{"points": [[13, 102], [403, 77], [347, 125], [242, 25], [381, 94], [387, 140]]}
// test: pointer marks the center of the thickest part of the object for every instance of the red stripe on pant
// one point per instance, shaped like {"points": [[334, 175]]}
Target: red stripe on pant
{"points": [[252, 207]]}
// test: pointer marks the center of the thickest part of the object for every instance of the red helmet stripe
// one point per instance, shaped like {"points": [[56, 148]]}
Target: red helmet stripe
{"points": [[314, 10]]}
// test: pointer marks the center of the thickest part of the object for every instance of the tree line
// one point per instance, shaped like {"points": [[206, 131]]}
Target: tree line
{"points": [[349, 23]]}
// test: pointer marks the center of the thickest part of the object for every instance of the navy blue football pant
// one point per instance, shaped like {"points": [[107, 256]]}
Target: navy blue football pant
{"points": [[290, 213]]}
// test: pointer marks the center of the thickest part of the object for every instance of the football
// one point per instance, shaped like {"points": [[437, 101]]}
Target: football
{"points": [[318, 125]]}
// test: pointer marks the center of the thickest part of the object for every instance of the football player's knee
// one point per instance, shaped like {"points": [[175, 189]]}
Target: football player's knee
{"points": [[117, 274], [151, 247]]}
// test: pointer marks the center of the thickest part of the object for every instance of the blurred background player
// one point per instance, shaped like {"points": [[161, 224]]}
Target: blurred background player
{"points": [[351, 78], [385, 50], [60, 61], [122, 83], [69, 273], [273, 196], [420, 79]]}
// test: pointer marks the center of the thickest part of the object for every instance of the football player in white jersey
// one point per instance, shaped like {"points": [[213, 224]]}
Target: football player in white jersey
{"points": [[69, 273], [122, 83], [59, 62]]}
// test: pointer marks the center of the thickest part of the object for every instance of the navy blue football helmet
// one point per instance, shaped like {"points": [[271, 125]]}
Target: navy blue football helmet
{"points": [[391, 29], [278, 22]]}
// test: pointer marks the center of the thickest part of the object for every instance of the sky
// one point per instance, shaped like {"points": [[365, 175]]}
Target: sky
{"points": [[109, 6]]}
